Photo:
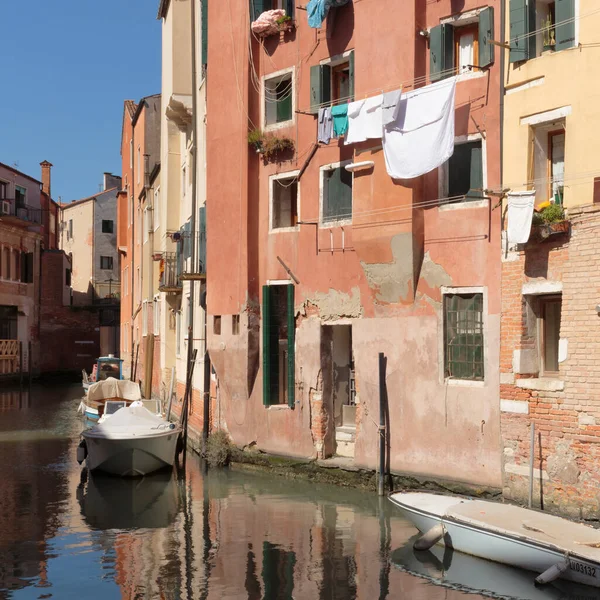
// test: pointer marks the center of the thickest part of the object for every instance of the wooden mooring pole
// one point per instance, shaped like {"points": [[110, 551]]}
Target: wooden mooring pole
{"points": [[381, 478]]}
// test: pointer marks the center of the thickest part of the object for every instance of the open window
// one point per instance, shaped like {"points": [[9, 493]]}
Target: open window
{"points": [[547, 161], [336, 194], [461, 177], [279, 334], [462, 44], [550, 308], [257, 7], [538, 26], [278, 99], [332, 82], [284, 202]]}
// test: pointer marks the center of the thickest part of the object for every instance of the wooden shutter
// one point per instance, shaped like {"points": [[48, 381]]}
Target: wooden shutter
{"points": [[565, 34], [338, 195], [351, 75], [291, 341], [320, 86], [519, 26], [441, 51], [204, 27], [486, 33], [266, 331], [284, 106], [476, 171]]}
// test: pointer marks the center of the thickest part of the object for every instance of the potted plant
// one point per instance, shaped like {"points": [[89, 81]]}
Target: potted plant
{"points": [[255, 138], [269, 145], [549, 219]]}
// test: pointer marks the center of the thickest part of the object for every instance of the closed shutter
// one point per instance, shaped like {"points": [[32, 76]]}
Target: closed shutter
{"points": [[320, 86], [441, 52], [486, 33], [476, 171], [284, 106], [266, 331], [204, 27], [338, 195], [519, 27], [201, 247], [351, 76], [565, 33], [291, 341]]}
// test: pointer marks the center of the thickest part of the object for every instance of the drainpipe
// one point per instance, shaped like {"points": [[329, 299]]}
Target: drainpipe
{"points": [[502, 79], [129, 216]]}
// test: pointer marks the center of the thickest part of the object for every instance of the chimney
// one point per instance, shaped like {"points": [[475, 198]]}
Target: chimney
{"points": [[46, 166], [111, 181]]}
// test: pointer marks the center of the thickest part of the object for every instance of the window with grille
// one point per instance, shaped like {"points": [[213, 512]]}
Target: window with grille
{"points": [[336, 190], [278, 92], [463, 336]]}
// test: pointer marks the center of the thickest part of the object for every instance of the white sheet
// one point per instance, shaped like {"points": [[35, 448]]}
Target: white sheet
{"points": [[520, 213], [114, 388], [422, 136], [364, 120]]}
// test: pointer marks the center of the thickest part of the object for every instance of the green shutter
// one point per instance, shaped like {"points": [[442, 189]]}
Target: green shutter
{"points": [[338, 195], [351, 75], [257, 7], [284, 106], [565, 34], [486, 33], [204, 32], [289, 8], [291, 341], [441, 51], [519, 27], [476, 171], [320, 86], [266, 330]]}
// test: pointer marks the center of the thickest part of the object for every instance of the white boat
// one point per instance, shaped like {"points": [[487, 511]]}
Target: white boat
{"points": [[111, 389], [507, 534], [133, 442]]}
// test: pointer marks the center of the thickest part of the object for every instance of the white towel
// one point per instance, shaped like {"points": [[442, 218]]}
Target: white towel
{"points": [[390, 106], [520, 213], [422, 136], [364, 120]]}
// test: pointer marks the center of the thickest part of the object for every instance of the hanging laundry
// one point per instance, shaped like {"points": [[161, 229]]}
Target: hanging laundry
{"points": [[325, 125], [520, 214], [390, 106], [267, 22], [421, 138], [340, 119], [317, 10], [364, 120]]}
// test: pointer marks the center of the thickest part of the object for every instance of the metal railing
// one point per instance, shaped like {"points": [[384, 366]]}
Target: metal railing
{"points": [[9, 207], [170, 271]]}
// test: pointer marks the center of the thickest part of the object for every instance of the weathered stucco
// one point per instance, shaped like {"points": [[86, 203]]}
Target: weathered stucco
{"points": [[334, 305]]}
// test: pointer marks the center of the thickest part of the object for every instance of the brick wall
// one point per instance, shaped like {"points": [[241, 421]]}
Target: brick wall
{"points": [[564, 409]]}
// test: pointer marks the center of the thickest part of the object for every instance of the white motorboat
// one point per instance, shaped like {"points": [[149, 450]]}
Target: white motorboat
{"points": [[110, 389], [519, 537], [132, 443]]}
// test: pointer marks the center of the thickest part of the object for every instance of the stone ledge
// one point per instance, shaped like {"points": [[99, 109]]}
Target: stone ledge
{"points": [[514, 406], [541, 384]]}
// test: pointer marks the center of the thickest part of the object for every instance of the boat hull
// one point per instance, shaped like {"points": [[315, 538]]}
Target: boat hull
{"points": [[512, 550], [131, 457]]}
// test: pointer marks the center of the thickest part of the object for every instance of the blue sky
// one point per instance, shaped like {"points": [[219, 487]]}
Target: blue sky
{"points": [[67, 67]]}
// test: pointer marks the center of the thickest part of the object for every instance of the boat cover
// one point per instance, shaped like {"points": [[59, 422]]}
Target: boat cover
{"points": [[574, 538], [131, 422], [114, 388]]}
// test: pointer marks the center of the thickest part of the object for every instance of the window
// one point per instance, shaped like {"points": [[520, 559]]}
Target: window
{"points": [[465, 172], [20, 194], [217, 324], [26, 267], [126, 281], [466, 50], [144, 318], [139, 163], [547, 161], [70, 230], [235, 324], [107, 226], [16, 272], [260, 6], [7, 263], [8, 322], [131, 153], [549, 333], [284, 202], [156, 209], [336, 194], [279, 334], [538, 26], [461, 43], [147, 223], [279, 95], [463, 336], [332, 81], [131, 211], [68, 277], [106, 263], [178, 331], [156, 315], [3, 190]]}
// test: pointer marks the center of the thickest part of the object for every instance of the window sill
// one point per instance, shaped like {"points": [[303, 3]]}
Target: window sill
{"points": [[477, 74], [278, 407], [277, 126], [284, 229], [464, 382], [463, 204], [332, 224], [542, 384]]}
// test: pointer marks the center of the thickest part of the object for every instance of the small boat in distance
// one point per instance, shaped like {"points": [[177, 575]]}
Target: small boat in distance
{"points": [[108, 390], [507, 534], [132, 443], [105, 367]]}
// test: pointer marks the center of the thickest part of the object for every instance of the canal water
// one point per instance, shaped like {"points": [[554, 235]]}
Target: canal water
{"points": [[225, 534]]}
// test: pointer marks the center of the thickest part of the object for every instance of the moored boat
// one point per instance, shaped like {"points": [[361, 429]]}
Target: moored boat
{"points": [[105, 367], [111, 389], [133, 442], [519, 537]]}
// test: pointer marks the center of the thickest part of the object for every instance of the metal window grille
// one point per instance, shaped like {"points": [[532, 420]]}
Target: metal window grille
{"points": [[463, 336]]}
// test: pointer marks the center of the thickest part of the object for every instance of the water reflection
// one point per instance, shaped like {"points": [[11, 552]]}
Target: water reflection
{"points": [[227, 534]]}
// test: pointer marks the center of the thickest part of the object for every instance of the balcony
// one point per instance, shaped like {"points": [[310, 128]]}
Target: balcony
{"points": [[16, 213], [107, 292], [170, 270]]}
